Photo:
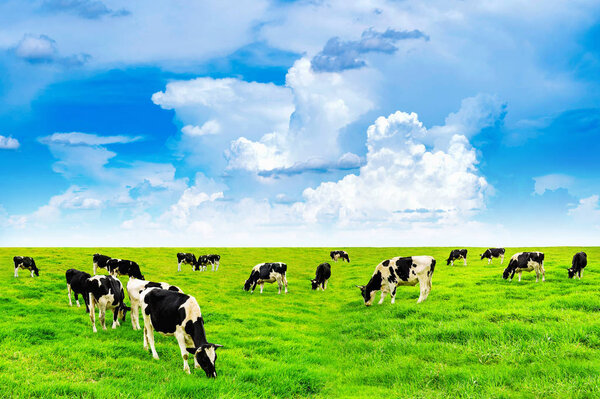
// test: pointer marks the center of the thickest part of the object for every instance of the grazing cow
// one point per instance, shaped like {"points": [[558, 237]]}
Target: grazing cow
{"points": [[25, 262], [120, 267], [135, 288], [322, 276], [185, 258], [335, 255], [456, 254], [106, 292], [267, 273], [100, 262], [493, 253], [579, 263], [204, 260], [525, 262], [174, 313], [77, 281], [393, 272]]}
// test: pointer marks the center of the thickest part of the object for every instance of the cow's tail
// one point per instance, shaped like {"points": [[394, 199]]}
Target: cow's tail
{"points": [[432, 267]]}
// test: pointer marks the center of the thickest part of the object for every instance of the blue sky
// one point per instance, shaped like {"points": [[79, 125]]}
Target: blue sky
{"points": [[278, 123]]}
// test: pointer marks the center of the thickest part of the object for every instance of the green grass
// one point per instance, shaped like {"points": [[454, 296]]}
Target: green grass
{"points": [[475, 336]]}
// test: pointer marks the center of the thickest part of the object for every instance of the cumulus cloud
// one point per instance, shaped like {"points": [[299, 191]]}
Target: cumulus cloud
{"points": [[338, 55], [8, 143], [37, 49], [209, 127], [587, 211], [89, 9], [552, 182]]}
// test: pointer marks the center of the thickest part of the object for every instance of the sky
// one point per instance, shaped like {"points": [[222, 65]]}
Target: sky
{"points": [[299, 123]]}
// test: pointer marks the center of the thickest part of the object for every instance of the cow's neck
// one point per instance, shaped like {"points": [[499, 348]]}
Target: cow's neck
{"points": [[199, 336]]}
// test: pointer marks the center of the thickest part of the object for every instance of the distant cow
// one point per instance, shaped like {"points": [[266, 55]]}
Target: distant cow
{"points": [[393, 272], [25, 262], [493, 253], [267, 273], [100, 262], [187, 259], [77, 281], [335, 255], [525, 262], [120, 267], [579, 263], [135, 288], [174, 313], [322, 276], [106, 292], [456, 254], [204, 260]]}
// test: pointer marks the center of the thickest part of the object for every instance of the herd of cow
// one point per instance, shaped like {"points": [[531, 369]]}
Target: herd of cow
{"points": [[168, 310]]}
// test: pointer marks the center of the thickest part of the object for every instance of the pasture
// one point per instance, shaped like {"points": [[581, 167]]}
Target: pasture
{"points": [[475, 336]]}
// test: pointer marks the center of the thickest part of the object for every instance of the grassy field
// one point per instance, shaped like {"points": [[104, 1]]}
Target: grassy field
{"points": [[475, 336]]}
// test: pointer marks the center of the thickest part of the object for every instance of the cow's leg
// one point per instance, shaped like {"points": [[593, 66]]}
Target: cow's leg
{"points": [[115, 321], [285, 284], [135, 315], [580, 273], [150, 337], [382, 296], [537, 274], [261, 287], [325, 285], [465, 261], [102, 314], [182, 347], [213, 266], [92, 312], [520, 276], [218, 262], [178, 266], [489, 260], [279, 284], [17, 271], [425, 288], [451, 263], [501, 259], [69, 294], [393, 293], [543, 272], [31, 272]]}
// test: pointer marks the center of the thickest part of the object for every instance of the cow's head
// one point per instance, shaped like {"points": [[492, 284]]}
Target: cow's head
{"points": [[448, 261], [368, 295], [248, 284], [205, 356], [482, 256], [314, 284], [36, 271], [123, 309], [345, 256], [571, 272], [509, 271]]}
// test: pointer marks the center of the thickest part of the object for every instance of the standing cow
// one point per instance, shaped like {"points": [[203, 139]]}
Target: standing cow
{"points": [[99, 261], [25, 262], [120, 267], [135, 288], [578, 264], [185, 258], [335, 255], [393, 272], [106, 292], [174, 313], [267, 273], [77, 281], [457, 254], [321, 277], [525, 262], [493, 253]]}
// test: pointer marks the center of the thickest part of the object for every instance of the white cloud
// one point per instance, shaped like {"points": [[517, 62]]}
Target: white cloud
{"points": [[34, 48], [552, 182], [8, 143], [76, 138], [210, 127], [587, 211]]}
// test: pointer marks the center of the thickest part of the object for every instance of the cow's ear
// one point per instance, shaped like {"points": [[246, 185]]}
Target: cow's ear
{"points": [[360, 286], [217, 346], [191, 350]]}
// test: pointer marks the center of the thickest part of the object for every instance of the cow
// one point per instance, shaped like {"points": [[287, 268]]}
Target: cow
{"points": [[99, 262], [335, 255], [525, 262], [322, 275], [25, 262], [493, 253], [456, 254], [120, 267], [106, 292], [77, 282], [391, 273], [204, 260], [267, 273], [178, 314], [578, 264], [135, 288], [185, 258]]}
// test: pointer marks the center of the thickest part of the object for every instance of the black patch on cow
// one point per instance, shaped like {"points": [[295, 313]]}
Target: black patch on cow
{"points": [[385, 262], [392, 276], [403, 268], [163, 307], [100, 260], [374, 284], [78, 281]]}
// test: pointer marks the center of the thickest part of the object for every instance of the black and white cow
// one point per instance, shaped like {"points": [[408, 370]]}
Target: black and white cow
{"points": [[579, 263], [204, 260], [335, 255], [25, 262], [456, 254], [135, 288], [493, 253], [525, 262], [77, 281], [267, 273], [100, 262], [120, 267], [397, 271], [107, 293], [187, 259], [321, 276], [174, 313]]}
